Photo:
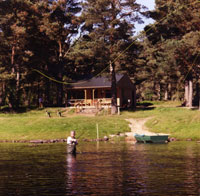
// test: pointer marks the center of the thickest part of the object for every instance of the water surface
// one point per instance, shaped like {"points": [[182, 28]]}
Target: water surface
{"points": [[100, 169]]}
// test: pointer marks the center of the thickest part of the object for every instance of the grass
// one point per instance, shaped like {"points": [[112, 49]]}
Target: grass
{"points": [[169, 117], [36, 125], [166, 117], [181, 123]]}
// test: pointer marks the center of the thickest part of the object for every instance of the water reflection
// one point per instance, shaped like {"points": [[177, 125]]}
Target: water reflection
{"points": [[71, 174], [192, 161], [134, 170], [103, 169]]}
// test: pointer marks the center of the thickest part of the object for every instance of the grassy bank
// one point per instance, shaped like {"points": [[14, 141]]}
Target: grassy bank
{"points": [[36, 125], [166, 117], [169, 117]]}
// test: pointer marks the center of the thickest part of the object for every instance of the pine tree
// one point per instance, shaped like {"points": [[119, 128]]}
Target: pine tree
{"points": [[108, 25], [175, 21], [60, 24], [34, 34], [13, 24]]}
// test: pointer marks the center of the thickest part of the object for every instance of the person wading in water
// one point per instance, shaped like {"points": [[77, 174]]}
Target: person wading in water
{"points": [[71, 143]]}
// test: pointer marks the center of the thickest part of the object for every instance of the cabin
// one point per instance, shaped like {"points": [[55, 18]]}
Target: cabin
{"points": [[97, 92]]}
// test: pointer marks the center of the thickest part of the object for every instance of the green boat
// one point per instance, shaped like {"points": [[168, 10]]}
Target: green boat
{"points": [[151, 138]]}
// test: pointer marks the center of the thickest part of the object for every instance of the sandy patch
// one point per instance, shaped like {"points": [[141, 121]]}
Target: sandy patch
{"points": [[138, 127]]}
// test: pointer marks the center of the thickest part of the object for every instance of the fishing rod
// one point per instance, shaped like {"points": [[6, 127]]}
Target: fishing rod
{"points": [[80, 135], [80, 152]]}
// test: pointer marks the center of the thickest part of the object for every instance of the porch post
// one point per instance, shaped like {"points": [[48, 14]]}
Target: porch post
{"points": [[85, 96], [93, 95]]}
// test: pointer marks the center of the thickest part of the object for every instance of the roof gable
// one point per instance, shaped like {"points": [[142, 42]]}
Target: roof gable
{"points": [[96, 82]]}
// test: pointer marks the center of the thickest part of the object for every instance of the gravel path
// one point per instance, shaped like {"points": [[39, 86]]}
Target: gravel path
{"points": [[138, 127]]}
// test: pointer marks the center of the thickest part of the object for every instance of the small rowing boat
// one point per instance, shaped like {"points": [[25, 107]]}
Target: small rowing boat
{"points": [[151, 138]]}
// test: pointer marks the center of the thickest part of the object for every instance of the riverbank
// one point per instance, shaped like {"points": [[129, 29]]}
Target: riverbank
{"points": [[163, 117], [36, 125], [169, 118], [137, 126]]}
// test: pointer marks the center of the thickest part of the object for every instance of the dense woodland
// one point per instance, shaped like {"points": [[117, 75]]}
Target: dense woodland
{"points": [[70, 40]]}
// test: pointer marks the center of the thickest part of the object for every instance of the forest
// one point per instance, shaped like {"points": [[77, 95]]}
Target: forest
{"points": [[47, 44]]}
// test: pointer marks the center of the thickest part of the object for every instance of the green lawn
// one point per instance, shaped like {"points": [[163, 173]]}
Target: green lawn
{"points": [[36, 125], [166, 117], [169, 117]]}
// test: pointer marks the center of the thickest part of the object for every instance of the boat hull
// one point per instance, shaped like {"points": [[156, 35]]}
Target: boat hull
{"points": [[151, 138]]}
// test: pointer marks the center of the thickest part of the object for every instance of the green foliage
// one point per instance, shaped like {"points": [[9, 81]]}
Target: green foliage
{"points": [[171, 50], [34, 34], [70, 40], [108, 30], [42, 35]]}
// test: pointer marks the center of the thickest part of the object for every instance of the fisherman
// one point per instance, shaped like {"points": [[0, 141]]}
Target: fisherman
{"points": [[71, 143]]}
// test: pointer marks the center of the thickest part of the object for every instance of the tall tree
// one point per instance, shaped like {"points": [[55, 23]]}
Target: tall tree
{"points": [[14, 24], [60, 24], [110, 24], [35, 34], [175, 20]]}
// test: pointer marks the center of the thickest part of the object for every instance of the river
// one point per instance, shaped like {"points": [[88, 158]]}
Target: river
{"points": [[100, 169]]}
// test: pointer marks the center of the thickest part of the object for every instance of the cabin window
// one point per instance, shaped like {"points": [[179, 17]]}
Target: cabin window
{"points": [[108, 93]]}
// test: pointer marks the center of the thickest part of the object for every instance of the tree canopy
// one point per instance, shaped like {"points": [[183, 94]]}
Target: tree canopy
{"points": [[172, 44], [70, 40]]}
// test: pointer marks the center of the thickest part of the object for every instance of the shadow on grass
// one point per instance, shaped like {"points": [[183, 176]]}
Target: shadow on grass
{"points": [[6, 109], [144, 106], [141, 106], [196, 108]]}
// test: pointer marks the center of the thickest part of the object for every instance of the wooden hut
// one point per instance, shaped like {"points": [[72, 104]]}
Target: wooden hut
{"points": [[98, 91]]}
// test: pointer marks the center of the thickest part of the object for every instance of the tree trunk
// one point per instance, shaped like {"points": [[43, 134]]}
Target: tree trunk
{"points": [[199, 103], [30, 92], [197, 97], [14, 94], [113, 90], [13, 58], [2, 94], [186, 93], [38, 93], [190, 93], [134, 97], [60, 77], [60, 94], [47, 93], [169, 91], [154, 97], [158, 87], [11, 99], [17, 86], [166, 93]]}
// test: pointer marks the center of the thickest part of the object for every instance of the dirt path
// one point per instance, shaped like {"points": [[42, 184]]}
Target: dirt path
{"points": [[138, 127]]}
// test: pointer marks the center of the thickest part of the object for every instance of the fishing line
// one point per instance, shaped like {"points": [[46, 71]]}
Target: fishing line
{"points": [[194, 62], [57, 81], [143, 32]]}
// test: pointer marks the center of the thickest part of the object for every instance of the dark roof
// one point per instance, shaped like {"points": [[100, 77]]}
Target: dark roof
{"points": [[96, 82]]}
